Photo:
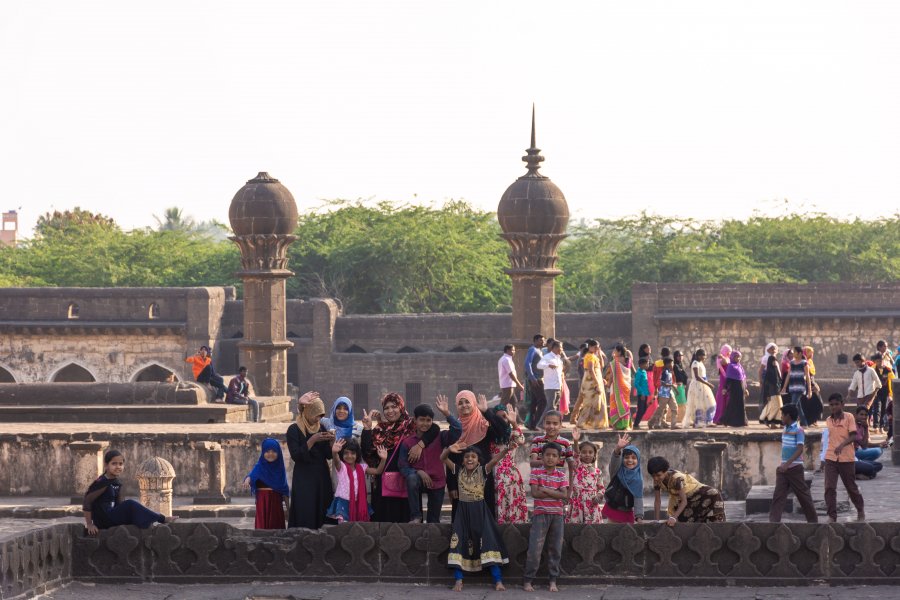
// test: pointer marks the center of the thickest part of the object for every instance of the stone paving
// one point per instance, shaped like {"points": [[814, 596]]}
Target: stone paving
{"points": [[386, 591]]}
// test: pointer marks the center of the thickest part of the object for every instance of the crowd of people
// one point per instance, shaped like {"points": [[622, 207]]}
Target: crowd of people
{"points": [[381, 465]]}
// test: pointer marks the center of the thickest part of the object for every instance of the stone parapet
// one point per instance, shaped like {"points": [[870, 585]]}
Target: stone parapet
{"points": [[37, 561]]}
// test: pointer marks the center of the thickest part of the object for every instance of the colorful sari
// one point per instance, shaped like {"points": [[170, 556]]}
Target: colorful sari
{"points": [[620, 393]]}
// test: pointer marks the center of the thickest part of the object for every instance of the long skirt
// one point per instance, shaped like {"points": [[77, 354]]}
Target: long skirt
{"points": [[704, 506], [592, 406], [269, 510], [771, 412], [734, 414], [475, 542], [721, 399], [700, 405], [812, 407]]}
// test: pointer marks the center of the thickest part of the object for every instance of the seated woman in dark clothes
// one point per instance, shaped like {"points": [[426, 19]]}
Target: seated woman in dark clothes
{"points": [[102, 507]]}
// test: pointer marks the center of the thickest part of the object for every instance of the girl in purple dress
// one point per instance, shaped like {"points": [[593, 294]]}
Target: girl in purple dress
{"points": [[722, 361]]}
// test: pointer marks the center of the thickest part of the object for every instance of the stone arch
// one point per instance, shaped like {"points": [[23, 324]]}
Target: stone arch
{"points": [[154, 372], [153, 312], [6, 376], [72, 310], [354, 349], [407, 350], [73, 372]]}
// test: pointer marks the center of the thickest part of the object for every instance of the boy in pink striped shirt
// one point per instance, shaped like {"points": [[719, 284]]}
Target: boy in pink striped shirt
{"points": [[549, 488]]}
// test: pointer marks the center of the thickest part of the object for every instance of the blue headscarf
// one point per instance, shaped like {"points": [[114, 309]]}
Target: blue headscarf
{"points": [[270, 473], [632, 478], [343, 429]]}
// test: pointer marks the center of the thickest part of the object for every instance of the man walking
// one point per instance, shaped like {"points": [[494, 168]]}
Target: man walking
{"points": [[509, 382], [864, 384], [789, 474], [534, 394], [552, 366], [839, 459]]}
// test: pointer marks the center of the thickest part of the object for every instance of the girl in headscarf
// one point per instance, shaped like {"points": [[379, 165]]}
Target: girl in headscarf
{"points": [[508, 481], [812, 405], [268, 483], [624, 496], [722, 361], [771, 388], [736, 382], [620, 374], [388, 428], [341, 421], [310, 447], [479, 427]]}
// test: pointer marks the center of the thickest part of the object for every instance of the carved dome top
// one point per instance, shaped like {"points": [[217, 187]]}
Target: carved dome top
{"points": [[533, 204], [156, 467], [263, 206]]}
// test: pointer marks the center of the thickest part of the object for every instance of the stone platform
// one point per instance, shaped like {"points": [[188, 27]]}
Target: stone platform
{"points": [[137, 402]]}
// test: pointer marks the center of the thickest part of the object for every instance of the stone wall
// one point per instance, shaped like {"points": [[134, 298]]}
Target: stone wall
{"points": [[36, 561], [792, 554], [43, 464], [838, 320]]}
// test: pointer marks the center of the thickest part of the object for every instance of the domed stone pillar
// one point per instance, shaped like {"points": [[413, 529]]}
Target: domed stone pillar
{"points": [[155, 477], [534, 215], [263, 216]]}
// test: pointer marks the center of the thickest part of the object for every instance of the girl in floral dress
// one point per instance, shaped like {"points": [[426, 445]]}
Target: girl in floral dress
{"points": [[587, 484], [510, 487]]}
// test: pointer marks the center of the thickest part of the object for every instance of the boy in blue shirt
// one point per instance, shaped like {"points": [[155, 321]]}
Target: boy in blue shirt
{"points": [[642, 389], [789, 474]]}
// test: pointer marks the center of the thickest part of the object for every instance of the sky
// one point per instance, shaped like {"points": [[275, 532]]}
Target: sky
{"points": [[689, 108]]}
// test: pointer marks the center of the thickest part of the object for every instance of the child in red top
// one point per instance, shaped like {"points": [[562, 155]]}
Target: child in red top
{"points": [[550, 489]]}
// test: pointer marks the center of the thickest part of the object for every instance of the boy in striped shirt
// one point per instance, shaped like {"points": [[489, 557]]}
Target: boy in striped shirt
{"points": [[789, 474], [549, 488]]}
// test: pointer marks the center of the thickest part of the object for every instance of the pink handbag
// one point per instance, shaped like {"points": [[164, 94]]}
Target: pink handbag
{"points": [[393, 483]]}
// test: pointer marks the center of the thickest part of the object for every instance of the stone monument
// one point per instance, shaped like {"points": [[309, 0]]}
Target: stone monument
{"points": [[263, 216], [534, 215], [155, 477]]}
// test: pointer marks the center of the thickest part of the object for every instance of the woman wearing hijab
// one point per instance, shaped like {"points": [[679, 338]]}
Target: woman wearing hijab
{"points": [[624, 496], [736, 382], [479, 427], [341, 421], [770, 381], [268, 483], [310, 447], [811, 405], [388, 428], [722, 361]]}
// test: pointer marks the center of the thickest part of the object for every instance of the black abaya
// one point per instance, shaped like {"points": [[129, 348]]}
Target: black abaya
{"points": [[311, 491], [734, 415]]}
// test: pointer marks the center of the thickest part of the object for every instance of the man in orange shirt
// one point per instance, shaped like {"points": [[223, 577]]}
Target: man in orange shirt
{"points": [[201, 365], [840, 458]]}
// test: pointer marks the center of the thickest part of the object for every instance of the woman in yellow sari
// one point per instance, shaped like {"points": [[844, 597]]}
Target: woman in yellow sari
{"points": [[592, 395], [620, 373]]}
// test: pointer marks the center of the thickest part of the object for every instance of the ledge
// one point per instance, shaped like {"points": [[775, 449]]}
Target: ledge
{"points": [[77, 326]]}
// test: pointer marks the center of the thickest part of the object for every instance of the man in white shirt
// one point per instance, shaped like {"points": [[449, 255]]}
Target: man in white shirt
{"points": [[509, 383], [864, 384], [552, 365]]}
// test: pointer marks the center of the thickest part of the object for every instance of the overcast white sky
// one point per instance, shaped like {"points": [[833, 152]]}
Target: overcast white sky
{"points": [[706, 109]]}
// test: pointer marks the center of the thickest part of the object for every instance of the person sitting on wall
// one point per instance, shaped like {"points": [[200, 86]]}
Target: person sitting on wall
{"points": [[238, 390], [201, 364]]}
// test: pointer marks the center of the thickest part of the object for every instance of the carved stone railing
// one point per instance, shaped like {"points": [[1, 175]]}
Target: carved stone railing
{"points": [[753, 554]]}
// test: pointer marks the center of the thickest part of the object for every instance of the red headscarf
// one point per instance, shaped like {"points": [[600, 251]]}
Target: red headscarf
{"points": [[474, 425], [390, 434]]}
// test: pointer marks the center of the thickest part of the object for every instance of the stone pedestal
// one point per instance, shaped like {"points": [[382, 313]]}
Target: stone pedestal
{"points": [[212, 474], [711, 454], [155, 477], [88, 465]]}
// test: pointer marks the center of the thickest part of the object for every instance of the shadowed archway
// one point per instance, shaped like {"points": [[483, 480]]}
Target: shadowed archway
{"points": [[73, 373]]}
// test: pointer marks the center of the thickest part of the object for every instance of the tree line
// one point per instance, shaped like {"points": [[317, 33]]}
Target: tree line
{"points": [[390, 257]]}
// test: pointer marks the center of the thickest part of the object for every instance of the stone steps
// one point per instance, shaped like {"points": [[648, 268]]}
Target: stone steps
{"points": [[759, 499], [204, 413]]}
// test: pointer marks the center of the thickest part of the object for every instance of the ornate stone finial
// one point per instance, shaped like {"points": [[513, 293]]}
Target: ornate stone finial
{"points": [[264, 177], [533, 157]]}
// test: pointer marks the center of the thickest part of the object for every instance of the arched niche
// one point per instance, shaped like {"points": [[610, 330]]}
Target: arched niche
{"points": [[73, 373], [153, 312], [6, 376], [155, 372], [72, 310]]}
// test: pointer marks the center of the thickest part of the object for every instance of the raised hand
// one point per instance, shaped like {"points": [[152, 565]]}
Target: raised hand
{"points": [[367, 419], [442, 403], [338, 446], [576, 434], [624, 440], [308, 397], [482, 403], [376, 416], [456, 448], [382, 452]]}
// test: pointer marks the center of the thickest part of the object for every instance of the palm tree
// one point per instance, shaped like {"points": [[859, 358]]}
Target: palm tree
{"points": [[174, 219]]}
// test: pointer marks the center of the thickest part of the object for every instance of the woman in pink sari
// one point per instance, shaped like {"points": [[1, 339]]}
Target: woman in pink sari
{"points": [[722, 361], [620, 373]]}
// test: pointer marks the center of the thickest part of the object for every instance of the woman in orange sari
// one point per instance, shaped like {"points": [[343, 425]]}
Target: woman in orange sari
{"points": [[620, 372]]}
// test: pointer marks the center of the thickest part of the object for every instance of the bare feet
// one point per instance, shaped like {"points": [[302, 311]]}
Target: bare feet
{"points": [[499, 587], [528, 587], [457, 587], [553, 587]]}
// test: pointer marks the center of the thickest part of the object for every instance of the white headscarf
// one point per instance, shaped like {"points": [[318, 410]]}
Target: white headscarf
{"points": [[765, 357]]}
